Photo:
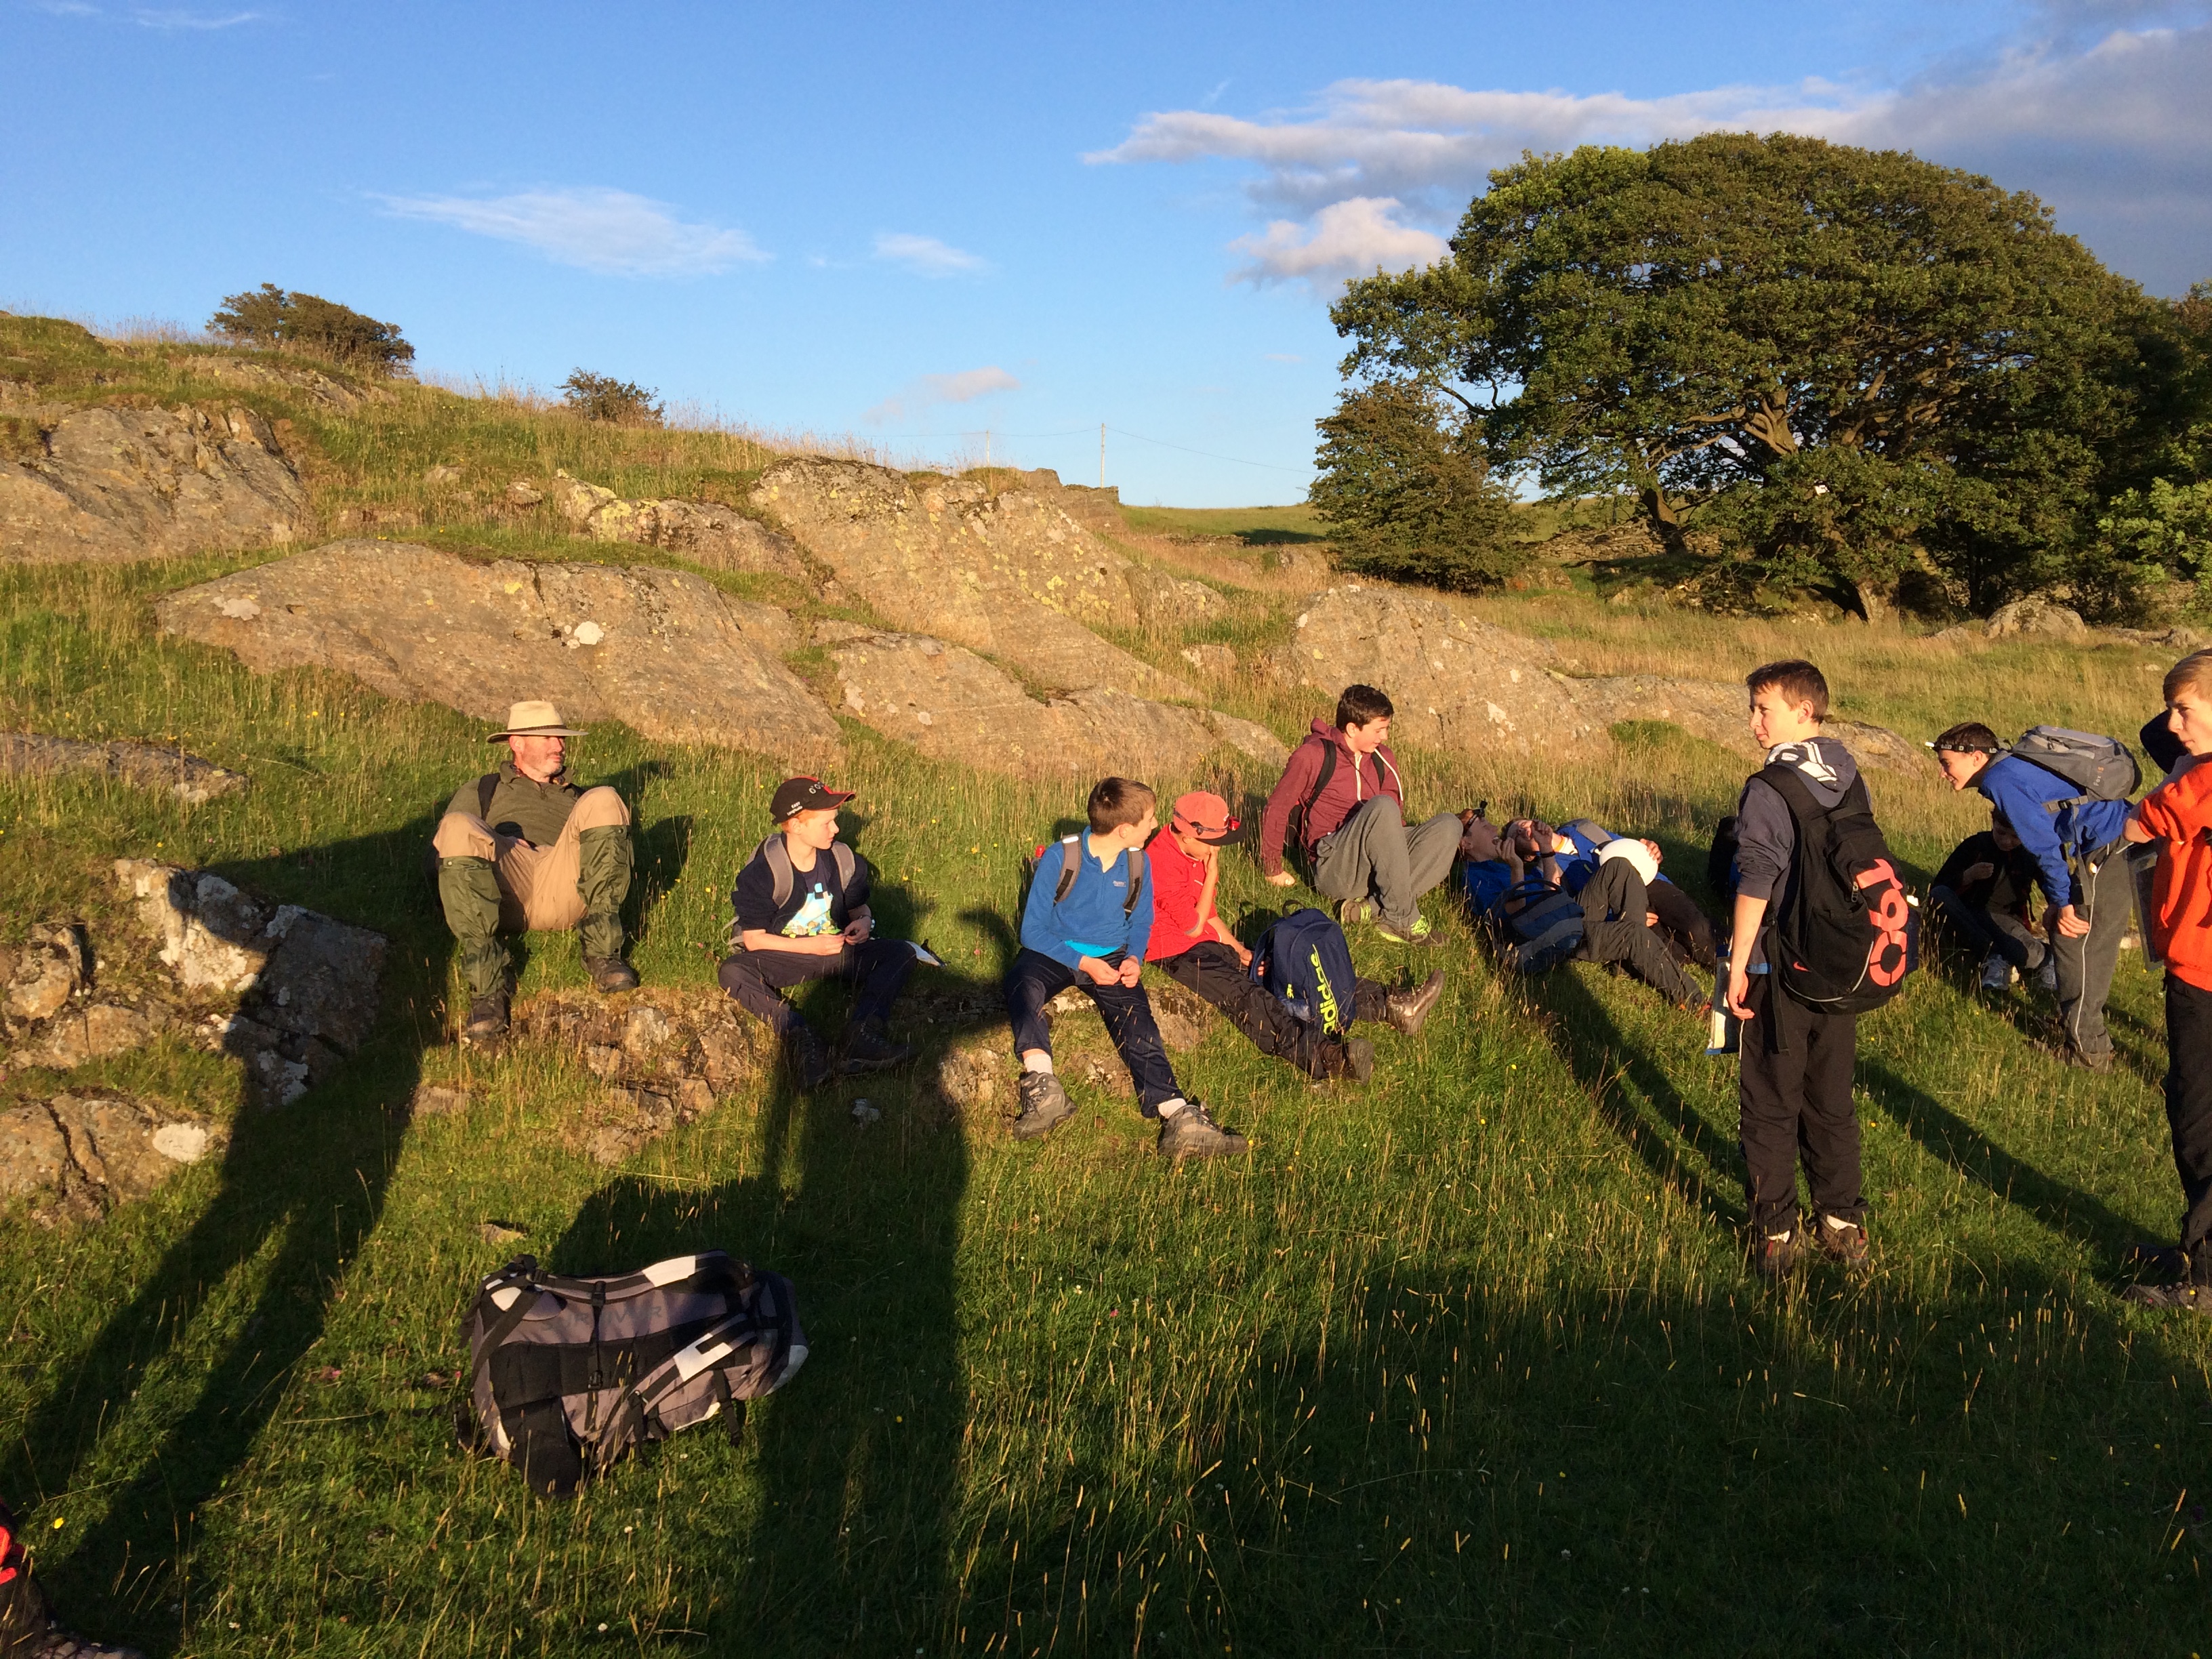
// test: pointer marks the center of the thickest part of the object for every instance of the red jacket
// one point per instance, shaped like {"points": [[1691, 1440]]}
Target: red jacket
{"points": [[1357, 778], [2181, 931]]}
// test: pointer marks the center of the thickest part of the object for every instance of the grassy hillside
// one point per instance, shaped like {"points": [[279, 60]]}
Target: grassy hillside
{"points": [[1063, 1399]]}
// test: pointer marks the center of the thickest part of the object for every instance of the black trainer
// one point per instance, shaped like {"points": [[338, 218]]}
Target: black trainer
{"points": [[1407, 1011], [1192, 1133], [1045, 1105], [868, 1047], [808, 1060]]}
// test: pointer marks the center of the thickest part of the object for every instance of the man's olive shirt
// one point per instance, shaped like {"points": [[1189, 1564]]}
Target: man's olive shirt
{"points": [[520, 806]]}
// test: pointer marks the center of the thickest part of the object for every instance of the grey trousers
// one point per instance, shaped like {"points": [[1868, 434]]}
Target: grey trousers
{"points": [[2086, 965], [1372, 854]]}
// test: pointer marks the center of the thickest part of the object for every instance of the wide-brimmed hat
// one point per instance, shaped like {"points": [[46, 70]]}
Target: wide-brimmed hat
{"points": [[533, 720]]}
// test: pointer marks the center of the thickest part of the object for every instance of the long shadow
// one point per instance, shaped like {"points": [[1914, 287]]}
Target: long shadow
{"points": [[1947, 1136], [857, 1456], [312, 1177], [661, 850]]}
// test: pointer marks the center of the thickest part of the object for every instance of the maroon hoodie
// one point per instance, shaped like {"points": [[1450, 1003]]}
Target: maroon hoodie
{"points": [[1357, 778]]}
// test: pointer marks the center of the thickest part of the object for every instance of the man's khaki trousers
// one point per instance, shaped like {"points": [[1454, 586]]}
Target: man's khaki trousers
{"points": [[491, 883]]}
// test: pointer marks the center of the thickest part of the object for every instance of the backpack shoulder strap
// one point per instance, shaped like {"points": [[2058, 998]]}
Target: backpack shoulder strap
{"points": [[1785, 783], [1328, 770], [1136, 859], [1071, 855], [848, 864], [779, 866], [487, 787]]}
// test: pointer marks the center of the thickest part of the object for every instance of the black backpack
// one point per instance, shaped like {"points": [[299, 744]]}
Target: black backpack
{"points": [[566, 1374], [1544, 931], [1850, 932], [1303, 959]]}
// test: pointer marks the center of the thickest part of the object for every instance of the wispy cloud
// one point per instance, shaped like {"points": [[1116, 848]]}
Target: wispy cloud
{"points": [[927, 257], [66, 8], [172, 19], [964, 387], [609, 231], [2112, 131]]}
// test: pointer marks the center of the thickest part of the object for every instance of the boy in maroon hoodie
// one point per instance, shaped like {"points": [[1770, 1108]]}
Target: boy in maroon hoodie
{"points": [[1340, 803]]}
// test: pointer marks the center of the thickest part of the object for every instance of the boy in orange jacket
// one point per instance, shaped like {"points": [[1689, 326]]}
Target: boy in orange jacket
{"points": [[2177, 816]]}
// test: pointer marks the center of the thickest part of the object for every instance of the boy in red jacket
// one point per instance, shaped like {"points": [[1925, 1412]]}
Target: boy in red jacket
{"points": [[2177, 816]]}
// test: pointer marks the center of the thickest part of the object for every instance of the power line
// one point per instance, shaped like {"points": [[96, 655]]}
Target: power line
{"points": [[1236, 460], [1083, 431]]}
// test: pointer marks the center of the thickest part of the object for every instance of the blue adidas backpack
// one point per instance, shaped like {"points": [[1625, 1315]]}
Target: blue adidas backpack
{"points": [[1304, 960]]}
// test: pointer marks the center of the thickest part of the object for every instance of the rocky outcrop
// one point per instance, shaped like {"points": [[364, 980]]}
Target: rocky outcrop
{"points": [[1009, 574], [77, 1156], [664, 652], [112, 484], [294, 380], [142, 765], [953, 706], [702, 532], [2036, 618], [1715, 710]]}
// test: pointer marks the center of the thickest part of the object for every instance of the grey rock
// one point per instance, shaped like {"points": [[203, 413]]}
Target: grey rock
{"points": [[498, 1232], [523, 493], [285, 380], [143, 765], [676, 659], [95, 1150], [972, 1077], [1716, 710], [33, 1151], [705, 532], [48, 970], [442, 477], [134, 484], [2036, 617], [436, 1100]]}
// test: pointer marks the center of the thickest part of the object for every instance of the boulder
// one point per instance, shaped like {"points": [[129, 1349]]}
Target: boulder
{"points": [[953, 706], [142, 765], [52, 965], [136, 483], [80, 1154], [1010, 575], [663, 651], [703, 531], [2037, 617], [1715, 709]]}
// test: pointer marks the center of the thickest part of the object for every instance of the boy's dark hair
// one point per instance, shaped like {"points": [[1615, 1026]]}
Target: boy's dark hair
{"points": [[1967, 738], [1117, 801], [1356, 705], [1796, 679]]}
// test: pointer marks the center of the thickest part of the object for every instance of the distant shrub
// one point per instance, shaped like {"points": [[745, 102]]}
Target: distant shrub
{"points": [[1407, 497], [618, 402], [269, 316]]}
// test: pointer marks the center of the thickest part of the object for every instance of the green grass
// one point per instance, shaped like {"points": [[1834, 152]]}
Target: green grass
{"points": [[1254, 526], [1463, 1361]]}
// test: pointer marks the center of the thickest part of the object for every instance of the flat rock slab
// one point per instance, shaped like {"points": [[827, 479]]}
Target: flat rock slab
{"points": [[79, 1155], [142, 765], [136, 483], [1715, 710], [664, 652], [953, 706], [1009, 574], [705, 532]]}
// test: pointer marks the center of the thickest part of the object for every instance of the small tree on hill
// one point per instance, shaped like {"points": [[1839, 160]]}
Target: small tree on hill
{"points": [[269, 316], [1407, 497], [618, 402]]}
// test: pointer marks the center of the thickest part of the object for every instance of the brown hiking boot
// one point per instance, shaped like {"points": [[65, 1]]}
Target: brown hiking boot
{"points": [[611, 974], [1343, 1057], [1407, 1011], [1773, 1255], [1192, 1133], [486, 1021], [1844, 1242]]}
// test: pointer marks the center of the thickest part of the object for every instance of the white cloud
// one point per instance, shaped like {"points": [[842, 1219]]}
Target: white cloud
{"points": [[1346, 239], [2112, 132], [609, 231], [964, 387], [926, 256]]}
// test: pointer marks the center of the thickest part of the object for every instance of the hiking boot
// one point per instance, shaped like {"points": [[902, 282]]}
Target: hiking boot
{"points": [[2187, 1296], [1352, 912], [1997, 974], [1407, 1011], [1045, 1105], [486, 1021], [808, 1060], [868, 1047], [2046, 978], [2086, 1063], [1419, 933], [611, 974], [58, 1644], [1844, 1242], [1192, 1133], [1352, 1057], [1774, 1255]]}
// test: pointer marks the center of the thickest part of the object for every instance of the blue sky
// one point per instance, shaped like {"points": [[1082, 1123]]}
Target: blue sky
{"points": [[913, 223]]}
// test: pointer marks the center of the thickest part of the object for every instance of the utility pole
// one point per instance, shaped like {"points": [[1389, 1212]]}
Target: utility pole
{"points": [[1102, 454], [986, 449]]}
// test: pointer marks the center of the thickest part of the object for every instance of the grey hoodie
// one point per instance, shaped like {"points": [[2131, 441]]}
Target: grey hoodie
{"points": [[1766, 837]]}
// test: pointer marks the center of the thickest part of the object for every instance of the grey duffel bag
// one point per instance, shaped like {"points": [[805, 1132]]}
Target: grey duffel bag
{"points": [[566, 1374]]}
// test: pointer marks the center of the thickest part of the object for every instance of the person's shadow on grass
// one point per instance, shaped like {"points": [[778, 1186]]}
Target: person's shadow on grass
{"points": [[302, 1186]]}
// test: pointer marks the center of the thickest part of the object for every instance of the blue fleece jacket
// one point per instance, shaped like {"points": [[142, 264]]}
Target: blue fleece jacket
{"points": [[1088, 921], [2024, 791]]}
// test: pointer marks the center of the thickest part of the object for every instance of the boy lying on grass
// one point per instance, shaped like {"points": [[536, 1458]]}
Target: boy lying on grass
{"points": [[1984, 895], [1194, 946], [1511, 869], [1087, 922]]}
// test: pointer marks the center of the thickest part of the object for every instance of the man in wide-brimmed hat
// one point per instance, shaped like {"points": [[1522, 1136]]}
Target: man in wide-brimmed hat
{"points": [[524, 850]]}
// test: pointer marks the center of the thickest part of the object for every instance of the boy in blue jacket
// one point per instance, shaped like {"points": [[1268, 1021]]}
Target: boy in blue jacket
{"points": [[2079, 847], [1088, 919]]}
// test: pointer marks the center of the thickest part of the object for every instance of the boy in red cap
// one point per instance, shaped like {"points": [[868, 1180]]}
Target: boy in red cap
{"points": [[802, 914], [1193, 946]]}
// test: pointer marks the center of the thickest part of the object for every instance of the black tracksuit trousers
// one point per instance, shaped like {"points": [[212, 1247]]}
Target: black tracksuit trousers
{"points": [[2189, 1114], [1793, 1094], [1211, 969]]}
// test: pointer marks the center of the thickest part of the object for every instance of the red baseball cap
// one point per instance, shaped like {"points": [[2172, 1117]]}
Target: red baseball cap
{"points": [[1203, 814]]}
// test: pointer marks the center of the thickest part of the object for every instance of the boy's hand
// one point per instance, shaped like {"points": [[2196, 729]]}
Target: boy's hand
{"points": [[1282, 879], [1096, 971], [857, 929], [1650, 918], [1739, 990], [1977, 872], [2067, 922], [1131, 971], [1652, 848]]}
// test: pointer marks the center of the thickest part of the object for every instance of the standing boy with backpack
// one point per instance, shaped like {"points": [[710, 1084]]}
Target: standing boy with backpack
{"points": [[1341, 804], [2177, 818], [1087, 921], [1806, 955], [1191, 944], [802, 914], [2065, 794]]}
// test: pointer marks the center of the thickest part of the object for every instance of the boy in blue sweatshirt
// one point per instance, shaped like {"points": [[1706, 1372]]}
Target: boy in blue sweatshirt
{"points": [[1087, 921], [2079, 847]]}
